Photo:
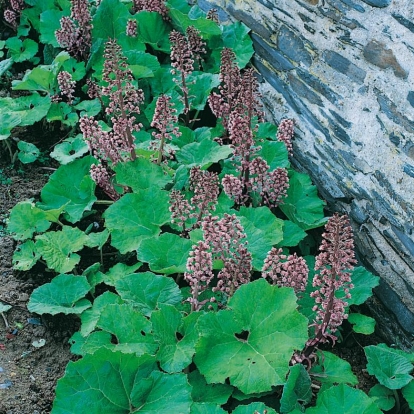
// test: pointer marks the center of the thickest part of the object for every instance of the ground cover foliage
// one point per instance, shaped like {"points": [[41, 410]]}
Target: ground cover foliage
{"points": [[174, 226]]}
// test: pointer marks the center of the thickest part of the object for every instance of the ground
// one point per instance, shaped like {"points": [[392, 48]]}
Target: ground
{"points": [[28, 374]]}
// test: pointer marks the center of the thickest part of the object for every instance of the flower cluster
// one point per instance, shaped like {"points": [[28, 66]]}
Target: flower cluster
{"points": [[238, 93], [111, 147], [189, 214], [157, 6], [335, 262], [291, 273], [164, 120], [74, 34], [124, 97], [66, 85], [103, 179], [132, 28], [227, 240], [184, 51], [199, 273], [11, 14], [285, 133]]}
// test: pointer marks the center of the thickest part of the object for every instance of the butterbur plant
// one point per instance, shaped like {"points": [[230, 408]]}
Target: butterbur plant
{"points": [[188, 214], [197, 300], [334, 265], [112, 147], [12, 13], [165, 122], [185, 49], [74, 34]]}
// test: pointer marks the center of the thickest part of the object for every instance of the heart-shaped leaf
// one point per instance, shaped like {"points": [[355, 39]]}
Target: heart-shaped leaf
{"points": [[252, 342]]}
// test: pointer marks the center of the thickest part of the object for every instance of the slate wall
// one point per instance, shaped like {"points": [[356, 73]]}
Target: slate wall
{"points": [[344, 70]]}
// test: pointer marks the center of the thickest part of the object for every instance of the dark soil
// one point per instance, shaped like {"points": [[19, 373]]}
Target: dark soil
{"points": [[28, 374]]}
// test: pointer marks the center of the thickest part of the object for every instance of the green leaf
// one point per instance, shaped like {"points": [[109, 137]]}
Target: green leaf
{"points": [[203, 153], [5, 65], [135, 217], [21, 51], [389, 367], [4, 307], [166, 254], [363, 281], [275, 154], [200, 86], [207, 28], [384, 397], [302, 204], [131, 329], [331, 370], [343, 399], [40, 78], [236, 37], [49, 23], [26, 219], [208, 393], [63, 112], [408, 393], [252, 343], [256, 407], [362, 324], [28, 152], [266, 130], [57, 248], [263, 230], [110, 20], [70, 186], [89, 108], [292, 234], [70, 149], [119, 271], [176, 336], [206, 408], [89, 345], [297, 391], [64, 294], [147, 291], [153, 29], [7, 122], [161, 392], [26, 256], [30, 108], [91, 316], [141, 174], [102, 383]]}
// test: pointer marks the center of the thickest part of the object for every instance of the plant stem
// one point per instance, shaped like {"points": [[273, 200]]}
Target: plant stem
{"points": [[5, 320], [104, 202], [397, 401]]}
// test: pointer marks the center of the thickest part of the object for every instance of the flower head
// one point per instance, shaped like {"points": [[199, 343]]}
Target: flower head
{"points": [[285, 133]]}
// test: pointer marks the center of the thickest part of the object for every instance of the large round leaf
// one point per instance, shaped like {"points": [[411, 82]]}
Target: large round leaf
{"points": [[252, 342]]}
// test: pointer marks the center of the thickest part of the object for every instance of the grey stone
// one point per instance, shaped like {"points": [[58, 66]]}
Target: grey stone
{"points": [[409, 170], [379, 55], [292, 46], [317, 85], [410, 98], [378, 3], [390, 109], [405, 22], [302, 90], [343, 65], [354, 6], [270, 55]]}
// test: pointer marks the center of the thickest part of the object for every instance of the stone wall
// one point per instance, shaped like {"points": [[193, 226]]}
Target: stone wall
{"points": [[344, 70]]}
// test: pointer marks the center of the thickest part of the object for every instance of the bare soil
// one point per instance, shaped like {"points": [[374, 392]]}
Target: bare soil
{"points": [[28, 374]]}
